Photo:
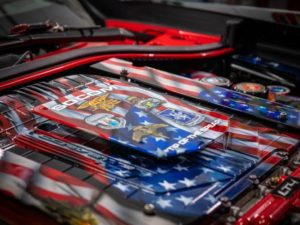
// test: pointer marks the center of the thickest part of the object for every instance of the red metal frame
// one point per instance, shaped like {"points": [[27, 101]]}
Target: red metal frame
{"points": [[164, 36], [84, 61]]}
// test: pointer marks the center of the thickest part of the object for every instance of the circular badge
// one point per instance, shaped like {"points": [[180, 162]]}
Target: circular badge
{"points": [[106, 121], [217, 81], [250, 88], [149, 103], [278, 90], [200, 74]]}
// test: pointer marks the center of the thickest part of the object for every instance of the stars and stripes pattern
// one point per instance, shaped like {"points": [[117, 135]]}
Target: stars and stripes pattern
{"points": [[175, 121], [220, 96], [185, 185], [35, 184], [174, 185], [15, 173]]}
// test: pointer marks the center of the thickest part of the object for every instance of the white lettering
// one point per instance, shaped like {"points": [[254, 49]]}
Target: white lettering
{"points": [[192, 136], [81, 97]]}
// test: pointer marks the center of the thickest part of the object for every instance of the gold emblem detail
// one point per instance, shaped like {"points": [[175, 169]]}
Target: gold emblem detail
{"points": [[133, 100], [71, 214], [140, 132], [101, 102]]}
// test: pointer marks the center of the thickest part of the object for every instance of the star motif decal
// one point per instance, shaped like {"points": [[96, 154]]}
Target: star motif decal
{"points": [[180, 168], [121, 173], [224, 168], [141, 114], [168, 186], [210, 198], [187, 182], [164, 203], [185, 200], [121, 187], [146, 123], [161, 171], [160, 153]]}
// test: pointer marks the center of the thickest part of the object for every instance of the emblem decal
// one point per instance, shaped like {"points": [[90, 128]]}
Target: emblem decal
{"points": [[190, 137], [65, 212], [106, 121], [288, 187], [76, 99], [143, 131], [101, 102], [133, 100], [181, 117], [149, 103]]}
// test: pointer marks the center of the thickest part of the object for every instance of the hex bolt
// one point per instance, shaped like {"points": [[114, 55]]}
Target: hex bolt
{"points": [[225, 201], [230, 220], [234, 211], [283, 116], [262, 191], [285, 170], [124, 73], [296, 162], [149, 209], [254, 179], [284, 155]]}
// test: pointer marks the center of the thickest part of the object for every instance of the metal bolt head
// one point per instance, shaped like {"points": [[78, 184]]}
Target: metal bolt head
{"points": [[123, 74], [149, 209], [283, 116], [234, 211], [286, 170], [282, 153], [224, 199], [252, 177], [230, 220], [296, 162]]}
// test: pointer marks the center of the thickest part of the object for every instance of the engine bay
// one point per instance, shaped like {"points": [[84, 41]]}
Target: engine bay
{"points": [[182, 116], [151, 147]]}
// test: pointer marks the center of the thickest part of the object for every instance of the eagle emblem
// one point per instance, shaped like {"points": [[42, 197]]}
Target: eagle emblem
{"points": [[67, 213], [101, 102], [143, 131]]}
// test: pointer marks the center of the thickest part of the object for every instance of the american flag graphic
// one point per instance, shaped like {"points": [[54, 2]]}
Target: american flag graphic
{"points": [[170, 120], [35, 184], [257, 107], [184, 188], [188, 185]]}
